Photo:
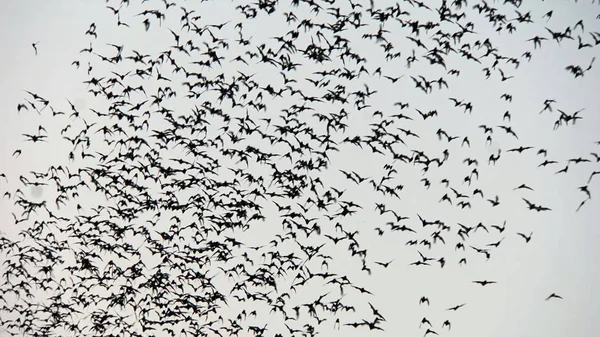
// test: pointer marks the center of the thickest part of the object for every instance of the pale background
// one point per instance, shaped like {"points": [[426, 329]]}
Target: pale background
{"points": [[563, 255]]}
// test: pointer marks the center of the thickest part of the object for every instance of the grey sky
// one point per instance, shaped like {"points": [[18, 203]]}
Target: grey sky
{"points": [[562, 255]]}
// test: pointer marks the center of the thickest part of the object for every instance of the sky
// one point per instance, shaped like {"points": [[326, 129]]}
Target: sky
{"points": [[561, 256]]}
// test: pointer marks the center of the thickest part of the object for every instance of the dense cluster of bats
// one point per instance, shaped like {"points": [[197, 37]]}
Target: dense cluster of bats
{"points": [[222, 134]]}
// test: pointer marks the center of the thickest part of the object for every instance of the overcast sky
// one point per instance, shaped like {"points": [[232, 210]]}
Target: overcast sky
{"points": [[562, 255]]}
